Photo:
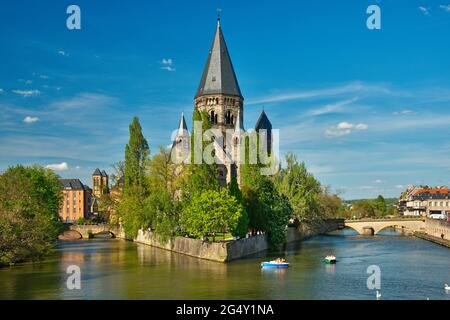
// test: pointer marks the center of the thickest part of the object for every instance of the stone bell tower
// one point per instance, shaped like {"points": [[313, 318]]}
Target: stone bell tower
{"points": [[220, 96]]}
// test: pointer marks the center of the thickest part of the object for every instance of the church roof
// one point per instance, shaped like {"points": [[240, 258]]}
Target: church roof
{"points": [[263, 122], [104, 174], [183, 125], [97, 172], [219, 76]]}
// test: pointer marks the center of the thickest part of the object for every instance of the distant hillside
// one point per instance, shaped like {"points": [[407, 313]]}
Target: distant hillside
{"points": [[389, 201]]}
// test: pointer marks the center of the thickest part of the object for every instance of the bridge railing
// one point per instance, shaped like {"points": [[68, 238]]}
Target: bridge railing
{"points": [[386, 219]]}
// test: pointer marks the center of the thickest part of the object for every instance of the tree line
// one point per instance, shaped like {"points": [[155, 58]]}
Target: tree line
{"points": [[187, 200]]}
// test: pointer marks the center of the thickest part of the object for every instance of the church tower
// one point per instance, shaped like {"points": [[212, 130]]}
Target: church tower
{"points": [[220, 96], [180, 152]]}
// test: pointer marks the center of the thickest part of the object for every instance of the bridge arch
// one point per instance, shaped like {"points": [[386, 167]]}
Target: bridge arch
{"points": [[70, 235], [103, 233], [374, 226], [378, 230]]}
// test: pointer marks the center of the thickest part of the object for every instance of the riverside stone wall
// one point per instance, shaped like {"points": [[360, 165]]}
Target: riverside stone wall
{"points": [[230, 250], [437, 228]]}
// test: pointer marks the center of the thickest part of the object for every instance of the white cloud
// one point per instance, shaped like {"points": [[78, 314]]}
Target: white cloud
{"points": [[399, 186], [168, 68], [27, 93], [345, 125], [1, 91], [361, 126], [344, 129], [425, 11], [63, 53], [331, 108], [378, 181], [43, 76], [77, 167], [404, 112], [58, 166], [30, 120], [167, 64], [445, 7], [354, 87]]}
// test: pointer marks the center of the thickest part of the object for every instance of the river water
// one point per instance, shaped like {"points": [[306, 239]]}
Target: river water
{"points": [[115, 269]]}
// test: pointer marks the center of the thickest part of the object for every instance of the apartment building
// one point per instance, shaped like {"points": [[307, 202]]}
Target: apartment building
{"points": [[425, 201], [76, 200]]}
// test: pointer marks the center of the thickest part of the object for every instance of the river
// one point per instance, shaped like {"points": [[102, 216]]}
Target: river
{"points": [[115, 269]]}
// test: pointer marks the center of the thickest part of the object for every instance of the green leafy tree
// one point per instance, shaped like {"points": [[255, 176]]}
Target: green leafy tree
{"points": [[269, 211], [302, 189], [380, 206], [202, 176], [211, 211], [30, 198], [242, 227], [363, 209], [135, 189], [163, 205]]}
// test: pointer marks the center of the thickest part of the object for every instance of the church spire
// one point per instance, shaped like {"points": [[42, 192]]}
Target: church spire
{"points": [[239, 123], [219, 76], [182, 127]]}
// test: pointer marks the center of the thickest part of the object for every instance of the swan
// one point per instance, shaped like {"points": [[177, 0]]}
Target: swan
{"points": [[378, 295], [447, 287]]}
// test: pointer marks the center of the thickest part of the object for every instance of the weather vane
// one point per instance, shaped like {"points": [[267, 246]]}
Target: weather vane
{"points": [[219, 11]]}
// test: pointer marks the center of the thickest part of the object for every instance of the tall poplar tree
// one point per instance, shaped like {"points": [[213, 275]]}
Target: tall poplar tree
{"points": [[135, 189]]}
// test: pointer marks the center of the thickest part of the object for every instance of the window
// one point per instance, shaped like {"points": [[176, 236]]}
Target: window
{"points": [[228, 117]]}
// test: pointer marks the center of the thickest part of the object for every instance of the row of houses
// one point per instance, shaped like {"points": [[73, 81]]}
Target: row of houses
{"points": [[425, 201], [79, 200]]}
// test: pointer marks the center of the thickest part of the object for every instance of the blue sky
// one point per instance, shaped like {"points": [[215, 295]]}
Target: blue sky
{"points": [[368, 111]]}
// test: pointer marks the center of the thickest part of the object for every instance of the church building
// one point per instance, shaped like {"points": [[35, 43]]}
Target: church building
{"points": [[220, 96]]}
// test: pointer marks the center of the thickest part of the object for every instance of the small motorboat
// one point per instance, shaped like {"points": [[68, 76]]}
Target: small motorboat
{"points": [[330, 260], [447, 287], [278, 263]]}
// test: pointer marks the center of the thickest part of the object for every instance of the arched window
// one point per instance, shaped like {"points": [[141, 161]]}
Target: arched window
{"points": [[228, 117], [212, 117], [215, 119]]}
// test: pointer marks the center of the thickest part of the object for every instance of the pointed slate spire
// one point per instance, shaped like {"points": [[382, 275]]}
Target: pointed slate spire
{"points": [[239, 123], [97, 172], [263, 122], [219, 76], [182, 127]]}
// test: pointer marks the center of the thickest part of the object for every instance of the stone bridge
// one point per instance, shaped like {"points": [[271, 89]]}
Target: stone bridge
{"points": [[374, 226], [75, 232]]}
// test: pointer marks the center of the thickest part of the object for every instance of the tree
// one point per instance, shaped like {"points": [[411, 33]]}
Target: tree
{"points": [[268, 210], [301, 188], [380, 206], [363, 209], [135, 189], [277, 211], [332, 205], [163, 205], [202, 176], [29, 222], [136, 161], [211, 211], [242, 227]]}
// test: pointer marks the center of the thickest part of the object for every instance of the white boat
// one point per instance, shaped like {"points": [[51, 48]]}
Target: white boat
{"points": [[447, 287], [330, 259]]}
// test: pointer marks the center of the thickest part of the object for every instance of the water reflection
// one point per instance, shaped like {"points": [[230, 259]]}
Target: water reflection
{"points": [[116, 269]]}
